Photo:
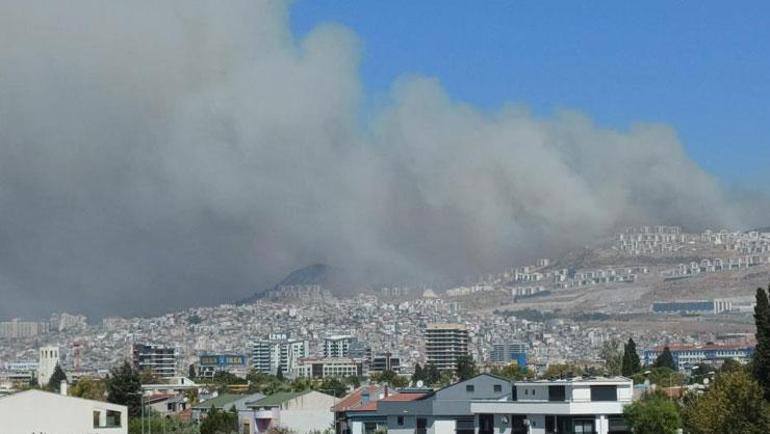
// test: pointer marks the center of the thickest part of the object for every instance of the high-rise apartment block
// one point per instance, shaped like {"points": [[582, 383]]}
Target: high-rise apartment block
{"points": [[160, 360], [507, 352], [444, 344], [270, 355]]}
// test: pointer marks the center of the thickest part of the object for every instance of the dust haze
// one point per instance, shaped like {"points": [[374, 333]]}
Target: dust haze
{"points": [[157, 155]]}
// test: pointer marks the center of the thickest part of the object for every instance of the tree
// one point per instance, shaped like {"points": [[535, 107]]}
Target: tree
{"points": [[562, 370], [390, 378], [631, 363], [220, 422], [225, 378], [432, 374], [89, 388], [663, 377], [731, 365], [279, 374], [653, 414], [125, 388], [761, 362], [733, 404], [512, 371], [159, 424], [419, 374], [148, 376], [701, 372], [466, 368], [191, 371], [612, 356], [54, 383], [665, 360], [333, 386]]}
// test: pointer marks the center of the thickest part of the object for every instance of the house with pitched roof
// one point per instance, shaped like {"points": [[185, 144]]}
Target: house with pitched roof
{"points": [[225, 402], [300, 412]]}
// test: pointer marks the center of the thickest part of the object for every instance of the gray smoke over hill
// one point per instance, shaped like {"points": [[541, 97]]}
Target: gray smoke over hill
{"points": [[155, 155]]}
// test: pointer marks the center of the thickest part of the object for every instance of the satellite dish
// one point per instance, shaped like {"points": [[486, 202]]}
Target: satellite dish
{"points": [[420, 383]]}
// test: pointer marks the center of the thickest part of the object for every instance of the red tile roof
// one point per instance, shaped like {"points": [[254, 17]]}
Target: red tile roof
{"points": [[354, 399], [354, 402], [405, 396]]}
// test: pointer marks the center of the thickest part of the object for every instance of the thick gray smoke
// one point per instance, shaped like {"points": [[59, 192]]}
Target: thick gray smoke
{"points": [[155, 155]]}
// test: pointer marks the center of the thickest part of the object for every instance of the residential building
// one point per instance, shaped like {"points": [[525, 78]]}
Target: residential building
{"points": [[209, 364], [299, 412], [445, 411], [338, 346], [160, 360], [170, 385], [37, 411], [269, 355], [385, 362], [687, 357], [507, 352], [15, 329], [487, 404], [49, 357], [167, 404], [18, 372], [226, 402], [322, 368], [354, 401], [715, 306], [444, 344], [576, 405]]}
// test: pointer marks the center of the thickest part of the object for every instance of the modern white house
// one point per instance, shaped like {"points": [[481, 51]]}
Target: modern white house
{"points": [[36, 411], [487, 404], [300, 412], [575, 406]]}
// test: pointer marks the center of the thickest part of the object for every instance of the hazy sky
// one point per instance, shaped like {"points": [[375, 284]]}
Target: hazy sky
{"points": [[159, 155]]}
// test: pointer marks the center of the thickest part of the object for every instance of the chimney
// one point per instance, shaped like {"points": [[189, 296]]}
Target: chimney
{"points": [[63, 387]]}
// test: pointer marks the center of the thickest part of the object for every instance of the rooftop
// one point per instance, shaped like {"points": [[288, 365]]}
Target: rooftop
{"points": [[276, 399]]}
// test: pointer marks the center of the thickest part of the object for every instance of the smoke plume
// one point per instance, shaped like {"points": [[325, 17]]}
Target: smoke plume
{"points": [[155, 155]]}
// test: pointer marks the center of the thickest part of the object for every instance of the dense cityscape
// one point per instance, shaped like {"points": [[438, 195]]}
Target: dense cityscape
{"points": [[306, 330]]}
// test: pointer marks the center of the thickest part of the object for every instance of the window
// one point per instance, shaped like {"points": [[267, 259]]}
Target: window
{"points": [[113, 419], [400, 420], [497, 388], [97, 419], [470, 388], [526, 391], [604, 393], [557, 393], [465, 425], [514, 394]]}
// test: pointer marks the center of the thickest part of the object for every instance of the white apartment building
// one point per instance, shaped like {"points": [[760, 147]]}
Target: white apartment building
{"points": [[269, 355], [321, 368], [338, 346], [444, 344]]}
